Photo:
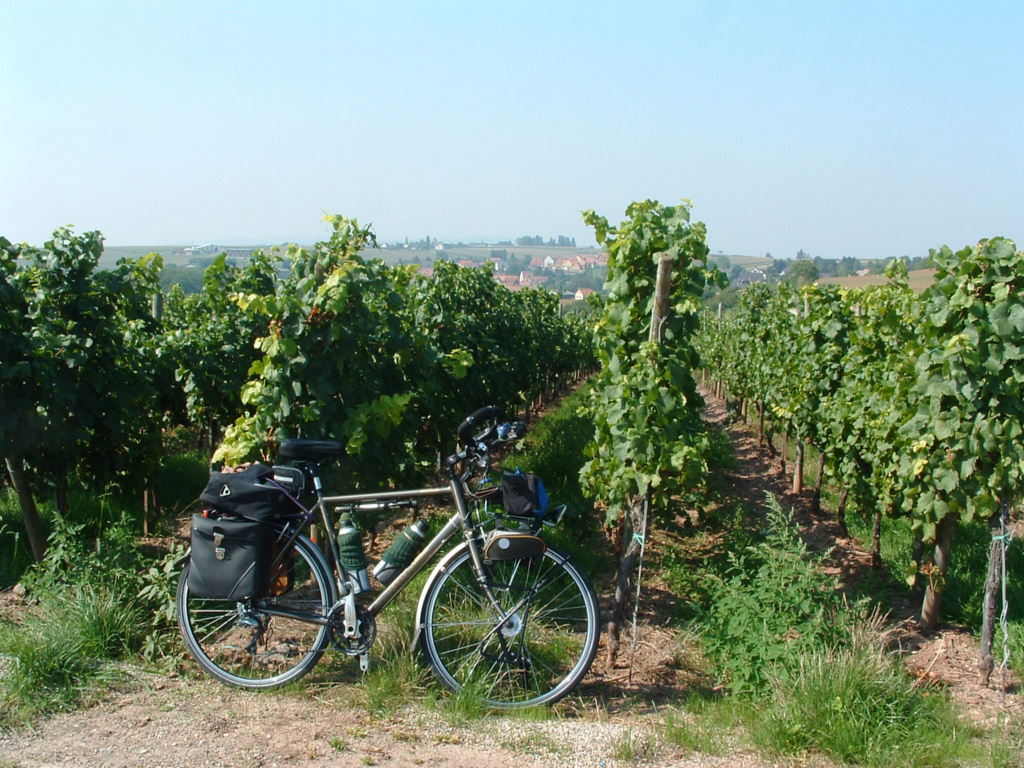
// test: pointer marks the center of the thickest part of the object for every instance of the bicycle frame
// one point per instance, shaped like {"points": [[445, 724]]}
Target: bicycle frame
{"points": [[460, 520]]}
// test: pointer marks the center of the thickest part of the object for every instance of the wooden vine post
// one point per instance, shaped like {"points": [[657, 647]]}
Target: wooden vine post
{"points": [[150, 502], [993, 585], [635, 520], [30, 513]]}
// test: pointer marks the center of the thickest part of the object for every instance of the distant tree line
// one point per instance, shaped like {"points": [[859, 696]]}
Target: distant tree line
{"points": [[561, 240], [822, 267]]}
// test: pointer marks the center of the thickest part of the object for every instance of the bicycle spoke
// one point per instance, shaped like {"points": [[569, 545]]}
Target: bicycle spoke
{"points": [[536, 650], [242, 645]]}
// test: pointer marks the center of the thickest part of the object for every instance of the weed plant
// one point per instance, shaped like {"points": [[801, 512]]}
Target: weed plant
{"points": [[773, 606], [784, 639]]}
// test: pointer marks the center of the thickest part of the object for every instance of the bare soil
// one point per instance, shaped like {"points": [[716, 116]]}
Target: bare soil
{"points": [[187, 720]]}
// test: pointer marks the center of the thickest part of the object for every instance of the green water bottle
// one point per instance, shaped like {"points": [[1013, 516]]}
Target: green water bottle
{"points": [[402, 551], [350, 547]]}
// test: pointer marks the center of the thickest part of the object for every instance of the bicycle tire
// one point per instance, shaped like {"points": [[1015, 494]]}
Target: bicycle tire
{"points": [[242, 645], [536, 654]]}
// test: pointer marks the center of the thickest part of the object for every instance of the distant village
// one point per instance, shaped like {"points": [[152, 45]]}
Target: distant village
{"points": [[512, 271], [534, 275]]}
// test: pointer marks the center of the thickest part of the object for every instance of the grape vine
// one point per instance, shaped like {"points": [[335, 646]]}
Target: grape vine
{"points": [[914, 401]]}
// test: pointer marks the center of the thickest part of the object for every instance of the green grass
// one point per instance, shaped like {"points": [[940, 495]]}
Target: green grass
{"points": [[554, 447], [398, 675], [59, 656], [96, 600], [703, 727], [465, 705], [634, 746], [840, 696], [859, 707], [965, 580]]}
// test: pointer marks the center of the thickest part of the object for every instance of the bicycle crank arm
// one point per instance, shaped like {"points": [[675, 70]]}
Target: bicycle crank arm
{"points": [[351, 620]]}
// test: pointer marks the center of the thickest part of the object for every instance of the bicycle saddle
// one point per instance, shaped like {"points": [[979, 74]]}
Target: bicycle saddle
{"points": [[309, 450]]}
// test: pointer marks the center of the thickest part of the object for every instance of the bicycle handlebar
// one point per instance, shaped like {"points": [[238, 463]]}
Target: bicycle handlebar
{"points": [[483, 415], [479, 446]]}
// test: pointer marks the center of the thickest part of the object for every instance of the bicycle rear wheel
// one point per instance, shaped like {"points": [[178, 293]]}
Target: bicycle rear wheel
{"points": [[535, 651], [266, 642]]}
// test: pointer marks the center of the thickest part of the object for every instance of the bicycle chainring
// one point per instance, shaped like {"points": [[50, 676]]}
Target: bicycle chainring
{"points": [[351, 646]]}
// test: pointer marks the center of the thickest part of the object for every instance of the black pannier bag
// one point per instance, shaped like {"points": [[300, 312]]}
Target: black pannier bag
{"points": [[523, 495], [252, 493], [232, 541], [230, 558]]}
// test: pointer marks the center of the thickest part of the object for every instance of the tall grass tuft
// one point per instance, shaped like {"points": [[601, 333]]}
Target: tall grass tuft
{"points": [[859, 707], [465, 705], [63, 649], [397, 676], [96, 601]]}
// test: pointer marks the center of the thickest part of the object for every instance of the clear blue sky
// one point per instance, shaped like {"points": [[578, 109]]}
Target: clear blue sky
{"points": [[866, 129]]}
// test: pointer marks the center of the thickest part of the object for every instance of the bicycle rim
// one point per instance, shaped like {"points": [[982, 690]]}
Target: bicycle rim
{"points": [[243, 645], [535, 652]]}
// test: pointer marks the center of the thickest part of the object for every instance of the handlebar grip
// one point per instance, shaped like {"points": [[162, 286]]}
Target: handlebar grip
{"points": [[484, 414]]}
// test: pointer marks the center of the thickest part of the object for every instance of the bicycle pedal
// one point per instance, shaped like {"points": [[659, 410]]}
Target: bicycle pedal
{"points": [[364, 662]]}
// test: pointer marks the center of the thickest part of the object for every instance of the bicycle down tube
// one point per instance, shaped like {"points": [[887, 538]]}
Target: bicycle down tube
{"points": [[431, 549]]}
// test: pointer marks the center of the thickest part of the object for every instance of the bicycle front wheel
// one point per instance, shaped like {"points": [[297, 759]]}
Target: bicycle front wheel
{"points": [[266, 642], [526, 636]]}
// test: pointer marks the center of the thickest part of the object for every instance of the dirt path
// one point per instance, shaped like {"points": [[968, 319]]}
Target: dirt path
{"points": [[190, 723], [155, 721]]}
